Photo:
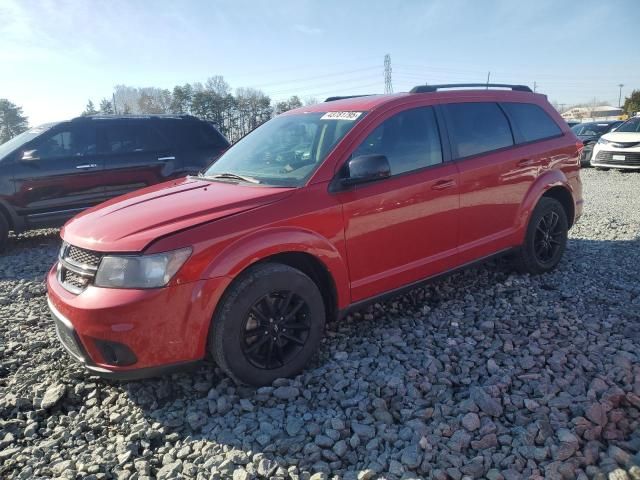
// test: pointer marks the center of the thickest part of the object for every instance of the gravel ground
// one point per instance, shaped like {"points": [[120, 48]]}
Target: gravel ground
{"points": [[486, 374]]}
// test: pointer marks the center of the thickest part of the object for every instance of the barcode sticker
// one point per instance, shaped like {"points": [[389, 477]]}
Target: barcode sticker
{"points": [[351, 116]]}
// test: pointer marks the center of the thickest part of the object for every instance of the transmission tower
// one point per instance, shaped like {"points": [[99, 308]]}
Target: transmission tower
{"points": [[388, 87]]}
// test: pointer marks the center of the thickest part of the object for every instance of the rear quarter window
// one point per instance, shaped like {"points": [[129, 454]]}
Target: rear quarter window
{"points": [[477, 127], [531, 122], [201, 135]]}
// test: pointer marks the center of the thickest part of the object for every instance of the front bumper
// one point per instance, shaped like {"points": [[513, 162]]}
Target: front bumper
{"points": [[610, 157], [155, 331]]}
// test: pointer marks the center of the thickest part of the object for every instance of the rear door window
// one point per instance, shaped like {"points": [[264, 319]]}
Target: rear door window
{"points": [[124, 137], [477, 127], [410, 140], [531, 122]]}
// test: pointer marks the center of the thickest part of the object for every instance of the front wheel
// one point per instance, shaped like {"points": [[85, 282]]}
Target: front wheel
{"points": [[546, 238], [268, 324]]}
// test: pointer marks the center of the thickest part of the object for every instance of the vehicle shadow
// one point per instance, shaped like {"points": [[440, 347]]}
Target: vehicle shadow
{"points": [[392, 370]]}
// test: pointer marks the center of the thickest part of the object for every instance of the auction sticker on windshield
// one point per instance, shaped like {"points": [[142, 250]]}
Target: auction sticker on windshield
{"points": [[341, 116]]}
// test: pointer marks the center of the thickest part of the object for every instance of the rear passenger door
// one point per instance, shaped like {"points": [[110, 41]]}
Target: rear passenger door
{"points": [[135, 154], [497, 150]]}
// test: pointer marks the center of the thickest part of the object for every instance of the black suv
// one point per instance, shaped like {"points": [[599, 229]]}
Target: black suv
{"points": [[51, 172]]}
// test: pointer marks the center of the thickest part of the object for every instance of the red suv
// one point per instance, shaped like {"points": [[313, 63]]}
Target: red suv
{"points": [[318, 211]]}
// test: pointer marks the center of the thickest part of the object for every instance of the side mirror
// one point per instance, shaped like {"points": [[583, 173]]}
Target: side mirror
{"points": [[30, 155], [366, 168]]}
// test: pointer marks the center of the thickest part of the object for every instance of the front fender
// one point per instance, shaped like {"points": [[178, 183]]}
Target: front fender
{"points": [[261, 244], [544, 183]]}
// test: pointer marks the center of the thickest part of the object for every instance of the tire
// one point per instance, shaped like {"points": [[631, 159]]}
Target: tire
{"points": [[603, 169], [4, 233], [545, 240], [276, 301]]}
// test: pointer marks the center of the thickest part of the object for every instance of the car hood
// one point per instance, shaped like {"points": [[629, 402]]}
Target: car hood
{"points": [[622, 137], [131, 222]]}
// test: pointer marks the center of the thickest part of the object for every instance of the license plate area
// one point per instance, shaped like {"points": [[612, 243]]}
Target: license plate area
{"points": [[618, 157]]}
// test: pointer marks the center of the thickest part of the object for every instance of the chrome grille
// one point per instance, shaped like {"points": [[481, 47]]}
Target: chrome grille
{"points": [[631, 159], [81, 256], [77, 267]]}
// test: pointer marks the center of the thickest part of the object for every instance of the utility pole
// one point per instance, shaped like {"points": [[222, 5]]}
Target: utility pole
{"points": [[535, 86], [620, 85], [488, 78], [115, 110], [388, 86]]}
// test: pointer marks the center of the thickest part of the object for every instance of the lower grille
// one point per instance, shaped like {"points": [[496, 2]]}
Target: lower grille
{"points": [[68, 338], [631, 159]]}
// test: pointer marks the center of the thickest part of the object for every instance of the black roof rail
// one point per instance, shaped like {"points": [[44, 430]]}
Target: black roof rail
{"points": [[113, 116], [333, 99], [435, 88]]}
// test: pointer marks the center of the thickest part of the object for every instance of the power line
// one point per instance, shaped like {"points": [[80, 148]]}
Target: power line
{"points": [[388, 86]]}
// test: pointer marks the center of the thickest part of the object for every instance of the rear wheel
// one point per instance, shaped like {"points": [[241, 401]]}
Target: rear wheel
{"points": [[4, 233], [268, 324], [546, 238]]}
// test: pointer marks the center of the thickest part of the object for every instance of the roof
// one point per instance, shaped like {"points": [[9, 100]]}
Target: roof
{"points": [[132, 117], [370, 102]]}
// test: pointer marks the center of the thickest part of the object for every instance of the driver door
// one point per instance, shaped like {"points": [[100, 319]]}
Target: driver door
{"points": [[402, 228], [57, 174]]}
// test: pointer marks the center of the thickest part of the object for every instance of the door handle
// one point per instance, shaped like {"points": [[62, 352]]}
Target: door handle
{"points": [[165, 159], [443, 184], [87, 166]]}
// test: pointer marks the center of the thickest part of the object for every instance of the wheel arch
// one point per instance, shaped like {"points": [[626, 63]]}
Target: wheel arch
{"points": [[301, 249], [553, 184]]}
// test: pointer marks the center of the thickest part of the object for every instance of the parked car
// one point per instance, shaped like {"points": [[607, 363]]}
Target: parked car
{"points": [[51, 172], [319, 211], [589, 133], [619, 149], [573, 123]]}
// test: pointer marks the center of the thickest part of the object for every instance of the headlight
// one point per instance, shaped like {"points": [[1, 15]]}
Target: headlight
{"points": [[140, 271], [602, 141]]}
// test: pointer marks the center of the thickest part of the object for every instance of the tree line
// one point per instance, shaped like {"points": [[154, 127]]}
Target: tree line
{"points": [[234, 113]]}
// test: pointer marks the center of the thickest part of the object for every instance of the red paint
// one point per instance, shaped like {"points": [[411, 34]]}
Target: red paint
{"points": [[371, 239]]}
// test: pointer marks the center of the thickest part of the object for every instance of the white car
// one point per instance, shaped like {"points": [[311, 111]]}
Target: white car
{"points": [[619, 149]]}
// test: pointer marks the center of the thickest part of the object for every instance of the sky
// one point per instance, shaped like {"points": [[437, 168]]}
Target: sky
{"points": [[55, 55]]}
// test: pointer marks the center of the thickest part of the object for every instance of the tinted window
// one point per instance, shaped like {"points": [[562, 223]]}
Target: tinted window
{"points": [[585, 129], [477, 127], [631, 125], [126, 138], [69, 141], [409, 140], [532, 122], [194, 134]]}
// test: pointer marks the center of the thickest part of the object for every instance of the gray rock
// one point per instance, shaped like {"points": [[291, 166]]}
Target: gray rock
{"points": [[53, 395], [485, 402]]}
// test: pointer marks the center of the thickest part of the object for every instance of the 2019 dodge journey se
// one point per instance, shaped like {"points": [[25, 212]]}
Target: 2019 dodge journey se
{"points": [[316, 212], [52, 172]]}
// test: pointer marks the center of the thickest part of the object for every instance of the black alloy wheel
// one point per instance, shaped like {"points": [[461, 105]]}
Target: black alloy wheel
{"points": [[276, 329], [548, 237], [268, 324]]}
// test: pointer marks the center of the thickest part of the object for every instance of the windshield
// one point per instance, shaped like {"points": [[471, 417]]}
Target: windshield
{"points": [[19, 140], [585, 129], [631, 125], [285, 151]]}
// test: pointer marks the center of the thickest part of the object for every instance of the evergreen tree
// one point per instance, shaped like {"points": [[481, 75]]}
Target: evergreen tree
{"points": [[12, 120], [90, 109]]}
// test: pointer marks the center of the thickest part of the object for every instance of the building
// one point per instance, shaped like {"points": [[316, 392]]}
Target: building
{"points": [[593, 114]]}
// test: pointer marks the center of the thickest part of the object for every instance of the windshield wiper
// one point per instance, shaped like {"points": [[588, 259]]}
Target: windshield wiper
{"points": [[231, 176]]}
